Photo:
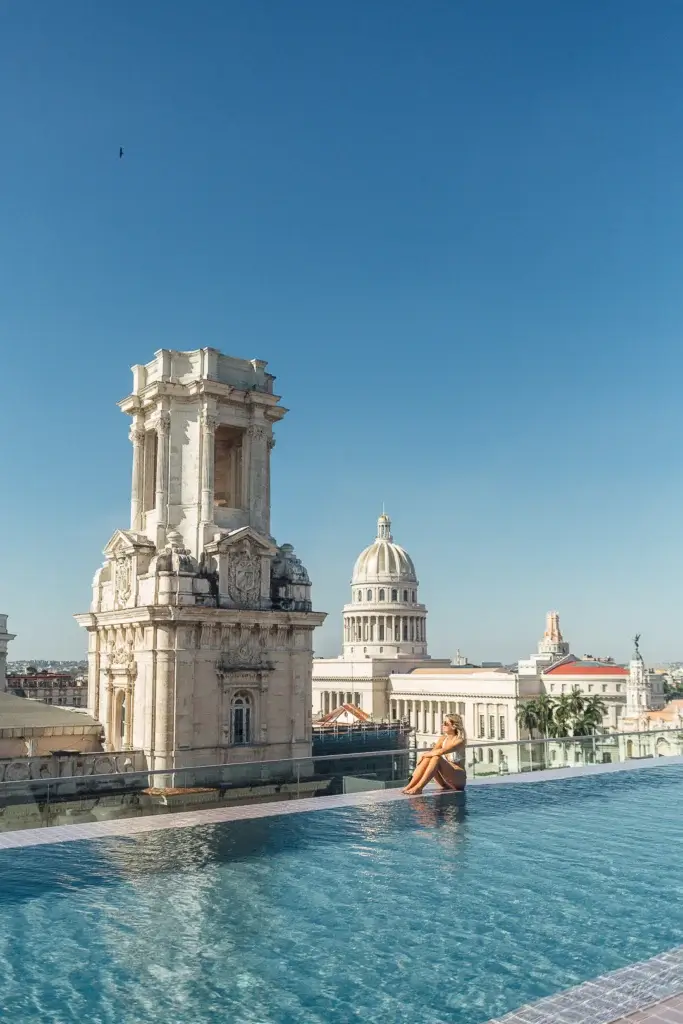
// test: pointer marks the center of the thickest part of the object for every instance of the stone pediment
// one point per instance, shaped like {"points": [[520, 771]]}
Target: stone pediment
{"points": [[237, 540], [127, 542]]}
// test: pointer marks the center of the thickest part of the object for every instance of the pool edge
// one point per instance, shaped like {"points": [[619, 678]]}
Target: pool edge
{"points": [[49, 835]]}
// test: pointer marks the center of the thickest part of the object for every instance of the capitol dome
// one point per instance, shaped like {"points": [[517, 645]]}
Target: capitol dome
{"points": [[384, 617], [384, 561]]}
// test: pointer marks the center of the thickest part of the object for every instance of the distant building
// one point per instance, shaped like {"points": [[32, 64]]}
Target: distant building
{"points": [[5, 638], [59, 688], [384, 631], [30, 728]]}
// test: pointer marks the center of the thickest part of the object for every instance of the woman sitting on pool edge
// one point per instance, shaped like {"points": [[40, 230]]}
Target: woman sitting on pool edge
{"points": [[445, 762]]}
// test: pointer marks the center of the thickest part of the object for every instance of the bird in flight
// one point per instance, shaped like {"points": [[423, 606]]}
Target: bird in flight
{"points": [[120, 152]]}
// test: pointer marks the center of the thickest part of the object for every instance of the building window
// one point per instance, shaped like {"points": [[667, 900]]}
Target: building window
{"points": [[381, 595], [482, 726], [590, 687], [479, 754], [381, 649], [240, 719], [501, 723], [552, 687], [394, 595], [368, 595], [413, 597], [405, 596], [359, 596], [492, 727], [461, 710], [490, 755], [228, 467], [604, 687], [356, 699], [380, 631], [618, 687]]}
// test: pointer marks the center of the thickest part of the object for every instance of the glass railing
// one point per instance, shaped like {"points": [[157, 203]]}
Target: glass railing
{"points": [[123, 792]]}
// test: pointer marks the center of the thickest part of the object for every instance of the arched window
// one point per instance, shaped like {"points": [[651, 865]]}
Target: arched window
{"points": [[359, 595], [241, 719], [381, 595], [405, 596], [369, 595], [394, 595], [413, 597]]}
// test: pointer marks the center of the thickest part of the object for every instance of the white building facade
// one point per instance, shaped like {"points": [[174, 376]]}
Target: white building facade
{"points": [[384, 631], [200, 628], [5, 638]]}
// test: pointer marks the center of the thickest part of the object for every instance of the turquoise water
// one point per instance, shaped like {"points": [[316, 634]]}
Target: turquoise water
{"points": [[415, 910]]}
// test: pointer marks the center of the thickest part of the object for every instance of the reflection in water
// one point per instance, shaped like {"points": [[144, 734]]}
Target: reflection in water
{"points": [[318, 918]]}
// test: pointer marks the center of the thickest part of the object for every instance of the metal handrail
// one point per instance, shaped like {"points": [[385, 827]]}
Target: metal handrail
{"points": [[593, 740]]}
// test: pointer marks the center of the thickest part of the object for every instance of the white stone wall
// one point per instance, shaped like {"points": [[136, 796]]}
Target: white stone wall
{"points": [[200, 647], [5, 638]]}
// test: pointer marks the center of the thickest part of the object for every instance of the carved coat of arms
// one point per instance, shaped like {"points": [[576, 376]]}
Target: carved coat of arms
{"points": [[244, 578]]}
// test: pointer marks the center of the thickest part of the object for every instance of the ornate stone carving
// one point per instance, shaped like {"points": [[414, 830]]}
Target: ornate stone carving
{"points": [[209, 421], [248, 657], [164, 423], [136, 435], [122, 581], [256, 433], [244, 577]]}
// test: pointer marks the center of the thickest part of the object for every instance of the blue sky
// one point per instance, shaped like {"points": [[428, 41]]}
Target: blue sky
{"points": [[455, 231]]}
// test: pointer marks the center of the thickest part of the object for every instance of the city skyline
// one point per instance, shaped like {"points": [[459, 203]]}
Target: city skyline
{"points": [[454, 234]]}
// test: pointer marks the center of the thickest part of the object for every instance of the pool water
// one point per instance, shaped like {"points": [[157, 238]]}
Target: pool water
{"points": [[420, 909]]}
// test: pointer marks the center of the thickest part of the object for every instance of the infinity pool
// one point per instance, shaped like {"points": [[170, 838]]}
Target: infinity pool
{"points": [[421, 909]]}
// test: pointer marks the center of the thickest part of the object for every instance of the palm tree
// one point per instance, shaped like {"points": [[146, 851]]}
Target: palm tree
{"points": [[545, 711], [592, 716], [576, 702], [562, 716], [528, 718]]}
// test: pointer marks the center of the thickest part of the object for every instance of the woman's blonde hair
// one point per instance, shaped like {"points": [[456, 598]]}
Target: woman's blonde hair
{"points": [[457, 723]]}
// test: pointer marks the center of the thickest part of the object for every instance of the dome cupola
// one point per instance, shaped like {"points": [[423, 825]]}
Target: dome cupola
{"points": [[384, 561], [384, 618]]}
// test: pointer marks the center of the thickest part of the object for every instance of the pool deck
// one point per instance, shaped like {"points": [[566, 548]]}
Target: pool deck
{"points": [[649, 992]]}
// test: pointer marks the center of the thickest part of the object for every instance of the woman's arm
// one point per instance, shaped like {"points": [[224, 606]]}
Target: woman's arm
{"points": [[453, 743]]}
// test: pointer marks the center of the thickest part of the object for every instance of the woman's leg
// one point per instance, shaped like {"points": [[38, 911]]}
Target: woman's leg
{"points": [[420, 769], [450, 776], [416, 786]]}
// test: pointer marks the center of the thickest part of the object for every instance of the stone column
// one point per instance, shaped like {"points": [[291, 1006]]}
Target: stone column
{"points": [[208, 429], [255, 464], [94, 674], [137, 437], [127, 738], [163, 436], [270, 444], [109, 714], [164, 698]]}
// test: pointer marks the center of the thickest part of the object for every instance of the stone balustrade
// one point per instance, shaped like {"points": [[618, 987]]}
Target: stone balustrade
{"points": [[61, 766]]}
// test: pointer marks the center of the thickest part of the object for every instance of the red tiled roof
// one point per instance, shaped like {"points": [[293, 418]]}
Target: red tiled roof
{"points": [[351, 709]]}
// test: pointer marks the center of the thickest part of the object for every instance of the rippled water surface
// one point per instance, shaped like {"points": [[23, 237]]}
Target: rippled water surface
{"points": [[417, 910]]}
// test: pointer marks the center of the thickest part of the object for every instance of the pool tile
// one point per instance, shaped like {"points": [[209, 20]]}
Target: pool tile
{"points": [[622, 996]]}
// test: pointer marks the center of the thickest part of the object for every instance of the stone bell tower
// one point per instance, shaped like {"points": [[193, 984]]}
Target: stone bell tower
{"points": [[200, 628]]}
